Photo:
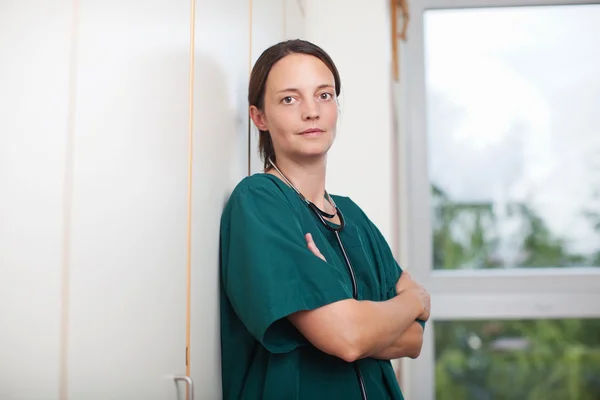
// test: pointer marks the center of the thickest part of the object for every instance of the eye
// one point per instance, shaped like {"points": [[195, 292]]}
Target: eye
{"points": [[326, 96], [287, 100]]}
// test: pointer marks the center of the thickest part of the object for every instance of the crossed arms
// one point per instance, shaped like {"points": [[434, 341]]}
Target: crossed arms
{"points": [[351, 329]]}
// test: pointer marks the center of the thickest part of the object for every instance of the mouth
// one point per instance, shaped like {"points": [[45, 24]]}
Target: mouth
{"points": [[313, 131]]}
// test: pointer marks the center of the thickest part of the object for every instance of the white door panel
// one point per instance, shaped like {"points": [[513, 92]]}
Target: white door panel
{"points": [[34, 80], [127, 299]]}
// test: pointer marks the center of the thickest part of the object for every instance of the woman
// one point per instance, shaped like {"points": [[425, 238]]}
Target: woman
{"points": [[297, 320]]}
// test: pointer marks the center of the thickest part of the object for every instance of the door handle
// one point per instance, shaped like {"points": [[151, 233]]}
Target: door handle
{"points": [[189, 383]]}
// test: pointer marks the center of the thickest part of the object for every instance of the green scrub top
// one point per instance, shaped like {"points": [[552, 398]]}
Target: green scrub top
{"points": [[268, 273]]}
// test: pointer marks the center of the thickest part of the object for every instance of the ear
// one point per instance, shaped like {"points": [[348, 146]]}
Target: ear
{"points": [[259, 119]]}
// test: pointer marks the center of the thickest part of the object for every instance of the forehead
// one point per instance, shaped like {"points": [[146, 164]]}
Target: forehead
{"points": [[300, 71]]}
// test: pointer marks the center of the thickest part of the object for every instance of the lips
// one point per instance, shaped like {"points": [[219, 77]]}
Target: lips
{"points": [[312, 131]]}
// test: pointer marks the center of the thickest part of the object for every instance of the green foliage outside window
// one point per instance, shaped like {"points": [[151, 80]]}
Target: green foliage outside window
{"points": [[524, 360]]}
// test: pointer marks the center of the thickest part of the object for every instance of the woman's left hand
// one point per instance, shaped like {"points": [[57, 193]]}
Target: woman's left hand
{"points": [[313, 247]]}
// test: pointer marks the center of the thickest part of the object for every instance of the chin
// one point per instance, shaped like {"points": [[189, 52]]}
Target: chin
{"points": [[312, 149], [314, 153]]}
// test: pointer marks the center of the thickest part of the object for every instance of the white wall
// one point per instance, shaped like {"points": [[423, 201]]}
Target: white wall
{"points": [[356, 33]]}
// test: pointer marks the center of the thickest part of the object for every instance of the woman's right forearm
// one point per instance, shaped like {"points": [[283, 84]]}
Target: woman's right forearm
{"points": [[351, 329], [377, 325]]}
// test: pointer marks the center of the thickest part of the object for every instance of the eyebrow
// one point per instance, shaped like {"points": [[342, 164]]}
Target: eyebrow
{"points": [[323, 86]]}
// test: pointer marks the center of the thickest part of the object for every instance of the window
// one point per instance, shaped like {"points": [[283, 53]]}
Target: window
{"points": [[518, 359], [502, 225], [513, 136]]}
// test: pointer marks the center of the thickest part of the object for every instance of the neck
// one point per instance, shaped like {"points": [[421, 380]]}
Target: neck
{"points": [[308, 178]]}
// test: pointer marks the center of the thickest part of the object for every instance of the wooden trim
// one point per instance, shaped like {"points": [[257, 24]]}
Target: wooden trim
{"points": [[394, 15], [190, 181]]}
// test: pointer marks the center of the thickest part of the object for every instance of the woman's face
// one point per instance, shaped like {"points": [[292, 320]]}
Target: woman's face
{"points": [[300, 107]]}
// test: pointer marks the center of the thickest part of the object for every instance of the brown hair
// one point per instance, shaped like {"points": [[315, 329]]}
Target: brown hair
{"points": [[258, 82]]}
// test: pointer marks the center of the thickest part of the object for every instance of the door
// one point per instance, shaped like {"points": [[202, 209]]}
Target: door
{"points": [[127, 296], [34, 87]]}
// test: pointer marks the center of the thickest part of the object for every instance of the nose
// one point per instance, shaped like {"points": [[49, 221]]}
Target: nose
{"points": [[310, 111]]}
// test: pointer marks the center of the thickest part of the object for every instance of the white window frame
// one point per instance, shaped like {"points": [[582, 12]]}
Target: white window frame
{"points": [[463, 295]]}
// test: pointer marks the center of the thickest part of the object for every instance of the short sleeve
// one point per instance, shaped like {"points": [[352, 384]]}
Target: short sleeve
{"points": [[268, 272]]}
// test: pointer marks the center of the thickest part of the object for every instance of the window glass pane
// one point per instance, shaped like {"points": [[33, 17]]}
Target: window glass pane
{"points": [[521, 360], [513, 126]]}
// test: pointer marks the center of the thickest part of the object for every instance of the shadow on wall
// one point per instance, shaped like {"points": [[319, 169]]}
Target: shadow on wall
{"points": [[220, 161], [220, 134]]}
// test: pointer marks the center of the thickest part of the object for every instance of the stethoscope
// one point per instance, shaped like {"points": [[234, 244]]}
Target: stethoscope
{"points": [[336, 230]]}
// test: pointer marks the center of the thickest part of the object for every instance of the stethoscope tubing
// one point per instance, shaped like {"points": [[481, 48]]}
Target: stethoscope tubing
{"points": [[337, 230]]}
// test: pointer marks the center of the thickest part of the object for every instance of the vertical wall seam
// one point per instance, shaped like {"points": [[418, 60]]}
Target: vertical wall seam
{"points": [[68, 209]]}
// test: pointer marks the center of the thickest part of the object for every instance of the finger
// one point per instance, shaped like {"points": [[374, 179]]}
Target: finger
{"points": [[309, 239], [313, 247]]}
